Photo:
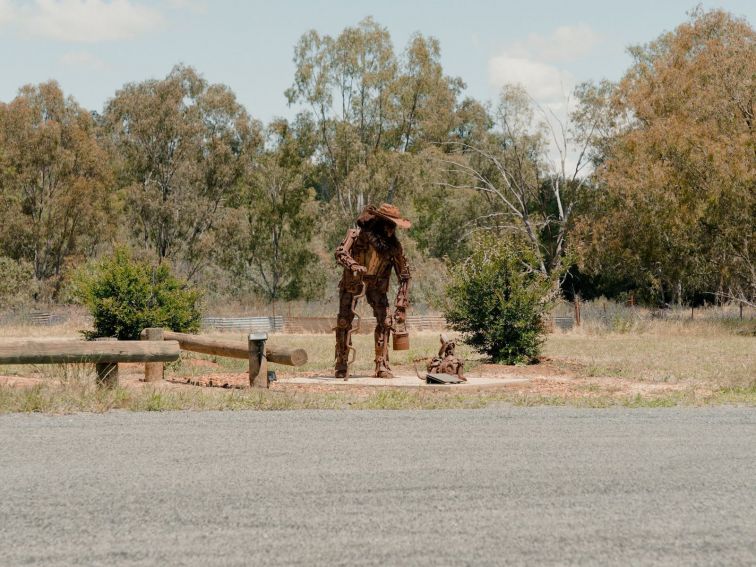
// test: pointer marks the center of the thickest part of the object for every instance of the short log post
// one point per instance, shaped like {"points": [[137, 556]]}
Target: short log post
{"points": [[258, 364], [107, 372], [153, 371]]}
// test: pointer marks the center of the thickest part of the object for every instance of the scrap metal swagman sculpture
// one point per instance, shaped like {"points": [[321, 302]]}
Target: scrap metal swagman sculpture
{"points": [[368, 254]]}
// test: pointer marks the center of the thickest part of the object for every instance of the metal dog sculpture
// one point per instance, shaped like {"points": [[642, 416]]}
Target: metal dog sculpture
{"points": [[446, 362]]}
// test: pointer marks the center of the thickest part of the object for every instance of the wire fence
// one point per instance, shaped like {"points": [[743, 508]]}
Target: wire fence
{"points": [[565, 316], [33, 318], [247, 324]]}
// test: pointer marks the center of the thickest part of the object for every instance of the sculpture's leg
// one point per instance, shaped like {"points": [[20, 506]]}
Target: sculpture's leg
{"points": [[343, 324], [379, 302]]}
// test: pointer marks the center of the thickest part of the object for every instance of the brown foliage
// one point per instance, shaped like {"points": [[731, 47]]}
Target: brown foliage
{"points": [[676, 204]]}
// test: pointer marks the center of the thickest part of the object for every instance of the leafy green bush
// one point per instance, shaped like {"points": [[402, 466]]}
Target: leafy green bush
{"points": [[498, 301], [126, 295]]}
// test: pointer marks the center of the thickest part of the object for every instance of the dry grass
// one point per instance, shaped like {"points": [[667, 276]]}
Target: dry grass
{"points": [[84, 397], [68, 330], [667, 352], [658, 364]]}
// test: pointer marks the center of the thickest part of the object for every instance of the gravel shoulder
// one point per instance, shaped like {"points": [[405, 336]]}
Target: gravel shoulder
{"points": [[548, 486]]}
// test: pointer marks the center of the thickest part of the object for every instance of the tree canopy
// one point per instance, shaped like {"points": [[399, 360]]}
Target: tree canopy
{"points": [[182, 148], [674, 204], [54, 177], [648, 185]]}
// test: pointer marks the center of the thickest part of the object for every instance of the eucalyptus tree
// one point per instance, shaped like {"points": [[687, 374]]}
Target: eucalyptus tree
{"points": [[372, 109], [526, 175], [54, 179], [267, 236], [182, 148]]}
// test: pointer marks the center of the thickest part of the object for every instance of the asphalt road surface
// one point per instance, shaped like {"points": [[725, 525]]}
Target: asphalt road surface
{"points": [[537, 486]]}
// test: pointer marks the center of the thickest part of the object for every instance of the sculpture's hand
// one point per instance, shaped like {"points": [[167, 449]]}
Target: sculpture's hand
{"points": [[359, 270], [400, 315]]}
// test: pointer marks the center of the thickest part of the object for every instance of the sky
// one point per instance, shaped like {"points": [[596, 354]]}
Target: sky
{"points": [[93, 47]]}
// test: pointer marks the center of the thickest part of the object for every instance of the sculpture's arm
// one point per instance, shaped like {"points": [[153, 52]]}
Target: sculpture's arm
{"points": [[344, 251], [401, 266]]}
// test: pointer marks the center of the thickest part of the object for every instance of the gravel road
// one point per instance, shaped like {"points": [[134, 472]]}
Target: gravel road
{"points": [[509, 486]]}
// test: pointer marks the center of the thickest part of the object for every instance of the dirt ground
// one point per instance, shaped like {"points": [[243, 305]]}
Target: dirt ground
{"points": [[549, 378], [665, 363]]}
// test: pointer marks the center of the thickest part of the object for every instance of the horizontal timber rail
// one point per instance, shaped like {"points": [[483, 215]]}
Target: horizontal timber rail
{"points": [[254, 350], [235, 349], [26, 351], [105, 354]]}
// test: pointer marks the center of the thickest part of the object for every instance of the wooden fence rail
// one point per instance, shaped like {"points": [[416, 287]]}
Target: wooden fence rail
{"points": [[156, 347], [25, 351], [104, 354], [254, 349], [235, 349]]}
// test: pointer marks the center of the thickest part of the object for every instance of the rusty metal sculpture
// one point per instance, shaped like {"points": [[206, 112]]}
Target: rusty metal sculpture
{"points": [[447, 362], [368, 254]]}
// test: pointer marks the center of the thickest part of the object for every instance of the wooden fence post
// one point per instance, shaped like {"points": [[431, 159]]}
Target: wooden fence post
{"points": [[107, 372], [153, 371], [577, 310], [258, 364]]}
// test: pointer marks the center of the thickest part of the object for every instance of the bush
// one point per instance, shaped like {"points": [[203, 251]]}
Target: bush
{"points": [[498, 302], [125, 295]]}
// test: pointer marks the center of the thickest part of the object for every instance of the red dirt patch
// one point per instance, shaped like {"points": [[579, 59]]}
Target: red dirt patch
{"points": [[20, 381], [550, 378]]}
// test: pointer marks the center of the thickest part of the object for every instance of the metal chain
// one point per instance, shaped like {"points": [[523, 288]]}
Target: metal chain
{"points": [[356, 320]]}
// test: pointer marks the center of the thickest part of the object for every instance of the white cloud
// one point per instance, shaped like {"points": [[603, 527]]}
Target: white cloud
{"points": [[196, 6], [86, 21], [542, 81], [537, 63], [533, 63], [83, 59], [565, 43], [7, 12]]}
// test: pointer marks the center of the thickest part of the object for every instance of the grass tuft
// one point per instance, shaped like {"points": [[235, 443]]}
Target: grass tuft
{"points": [[65, 399]]}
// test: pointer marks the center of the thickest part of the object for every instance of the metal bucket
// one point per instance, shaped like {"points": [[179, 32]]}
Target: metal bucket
{"points": [[401, 341]]}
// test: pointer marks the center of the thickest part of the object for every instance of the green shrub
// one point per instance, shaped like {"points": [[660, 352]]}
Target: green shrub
{"points": [[126, 295], [498, 301]]}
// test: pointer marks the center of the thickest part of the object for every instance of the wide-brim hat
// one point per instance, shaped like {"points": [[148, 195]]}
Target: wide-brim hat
{"points": [[390, 213]]}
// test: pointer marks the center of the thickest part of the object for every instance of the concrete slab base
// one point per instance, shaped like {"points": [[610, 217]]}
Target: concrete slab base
{"points": [[406, 381]]}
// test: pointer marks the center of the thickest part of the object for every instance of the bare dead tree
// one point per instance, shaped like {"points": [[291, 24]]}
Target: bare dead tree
{"points": [[516, 164]]}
